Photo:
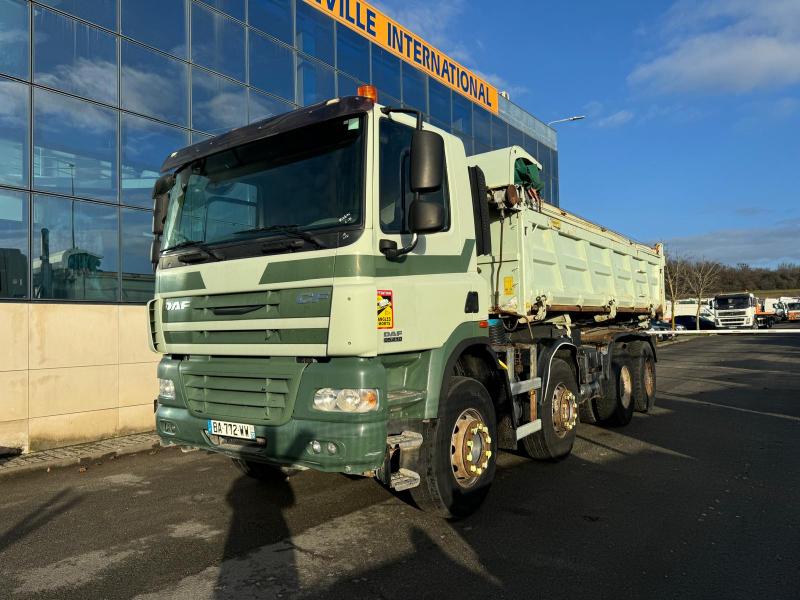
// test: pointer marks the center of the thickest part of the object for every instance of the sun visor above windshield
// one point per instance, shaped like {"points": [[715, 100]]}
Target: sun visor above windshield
{"points": [[267, 128]]}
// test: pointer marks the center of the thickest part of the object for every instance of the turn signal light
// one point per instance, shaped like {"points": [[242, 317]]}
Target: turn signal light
{"points": [[368, 91]]}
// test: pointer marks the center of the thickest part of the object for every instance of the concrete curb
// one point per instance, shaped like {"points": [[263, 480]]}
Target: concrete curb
{"points": [[80, 455]]}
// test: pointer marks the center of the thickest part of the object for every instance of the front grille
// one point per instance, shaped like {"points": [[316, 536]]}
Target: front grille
{"points": [[733, 313], [242, 389], [151, 315]]}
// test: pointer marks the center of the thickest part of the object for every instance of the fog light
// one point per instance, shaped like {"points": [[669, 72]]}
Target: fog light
{"points": [[168, 427], [166, 388], [316, 447], [332, 449]]}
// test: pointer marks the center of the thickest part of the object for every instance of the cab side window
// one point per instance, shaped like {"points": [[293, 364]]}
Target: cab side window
{"points": [[395, 187]]}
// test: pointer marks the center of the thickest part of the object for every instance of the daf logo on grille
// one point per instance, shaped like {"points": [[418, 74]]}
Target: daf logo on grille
{"points": [[311, 297], [177, 304]]}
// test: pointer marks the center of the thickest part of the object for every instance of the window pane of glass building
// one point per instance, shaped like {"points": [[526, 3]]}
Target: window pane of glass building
{"points": [[440, 101], [13, 244], [14, 137], [348, 86], [74, 57], [415, 93], [515, 137], [385, 73], [218, 104], [154, 84], [314, 33], [200, 137], [482, 129], [271, 66], [138, 280], [14, 37], [217, 42], [462, 114], [352, 53], [315, 81], [76, 245], [234, 8], [145, 145], [74, 146], [499, 133], [167, 32], [100, 12], [263, 106], [273, 17]]}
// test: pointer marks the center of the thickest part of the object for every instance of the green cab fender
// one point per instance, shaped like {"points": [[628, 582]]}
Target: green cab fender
{"points": [[443, 360]]}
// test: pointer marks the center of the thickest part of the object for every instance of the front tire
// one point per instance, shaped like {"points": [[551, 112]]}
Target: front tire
{"points": [[559, 415], [458, 454]]}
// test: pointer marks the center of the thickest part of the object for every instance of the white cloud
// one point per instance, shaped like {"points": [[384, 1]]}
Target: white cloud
{"points": [[765, 246], [615, 119], [725, 46]]}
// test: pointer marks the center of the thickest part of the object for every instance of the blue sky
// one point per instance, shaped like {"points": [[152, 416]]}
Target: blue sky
{"points": [[692, 134]]}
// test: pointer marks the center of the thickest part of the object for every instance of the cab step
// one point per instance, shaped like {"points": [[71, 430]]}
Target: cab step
{"points": [[404, 479], [408, 440]]}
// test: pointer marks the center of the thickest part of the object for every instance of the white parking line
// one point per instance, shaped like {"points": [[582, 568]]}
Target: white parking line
{"points": [[668, 396]]}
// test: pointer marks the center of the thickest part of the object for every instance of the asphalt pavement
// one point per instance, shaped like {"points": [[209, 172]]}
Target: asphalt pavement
{"points": [[697, 499]]}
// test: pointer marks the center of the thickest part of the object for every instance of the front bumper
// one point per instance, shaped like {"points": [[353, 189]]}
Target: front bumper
{"points": [[360, 447], [211, 389]]}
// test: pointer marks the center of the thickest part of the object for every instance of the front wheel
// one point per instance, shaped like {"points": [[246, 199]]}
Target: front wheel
{"points": [[458, 455], [559, 415]]}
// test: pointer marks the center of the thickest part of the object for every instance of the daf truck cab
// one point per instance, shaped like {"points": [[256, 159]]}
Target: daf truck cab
{"points": [[341, 288]]}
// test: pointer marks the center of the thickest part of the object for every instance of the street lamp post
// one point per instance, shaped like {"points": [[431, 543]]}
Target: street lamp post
{"points": [[575, 118]]}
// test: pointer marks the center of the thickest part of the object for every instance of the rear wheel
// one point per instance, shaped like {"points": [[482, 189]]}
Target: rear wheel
{"points": [[559, 415], [643, 367], [615, 408], [458, 455]]}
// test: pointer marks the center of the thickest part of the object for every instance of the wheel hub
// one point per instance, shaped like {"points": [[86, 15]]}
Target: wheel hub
{"points": [[565, 410], [649, 378], [625, 387], [470, 448]]}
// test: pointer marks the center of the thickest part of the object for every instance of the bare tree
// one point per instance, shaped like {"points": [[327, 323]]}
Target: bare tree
{"points": [[676, 272], [702, 277]]}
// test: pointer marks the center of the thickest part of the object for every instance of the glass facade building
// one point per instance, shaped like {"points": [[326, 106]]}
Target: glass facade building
{"points": [[95, 93]]}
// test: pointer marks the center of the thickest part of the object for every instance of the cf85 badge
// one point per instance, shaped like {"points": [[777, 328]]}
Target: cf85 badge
{"points": [[385, 309]]}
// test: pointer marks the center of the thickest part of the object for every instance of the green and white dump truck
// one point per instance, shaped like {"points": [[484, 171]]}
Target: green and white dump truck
{"points": [[341, 288]]}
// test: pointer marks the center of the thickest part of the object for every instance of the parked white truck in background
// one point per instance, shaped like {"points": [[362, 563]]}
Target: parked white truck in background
{"points": [[735, 311]]}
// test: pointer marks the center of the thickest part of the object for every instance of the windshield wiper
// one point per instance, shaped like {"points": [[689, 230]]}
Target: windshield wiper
{"points": [[287, 229], [199, 245]]}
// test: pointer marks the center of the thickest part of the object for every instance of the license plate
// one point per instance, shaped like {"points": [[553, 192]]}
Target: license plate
{"points": [[234, 430]]}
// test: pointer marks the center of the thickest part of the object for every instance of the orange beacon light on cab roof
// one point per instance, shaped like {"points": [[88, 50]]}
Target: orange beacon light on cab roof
{"points": [[368, 91]]}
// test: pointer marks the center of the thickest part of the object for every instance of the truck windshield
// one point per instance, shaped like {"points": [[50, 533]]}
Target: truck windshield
{"points": [[306, 180], [732, 303]]}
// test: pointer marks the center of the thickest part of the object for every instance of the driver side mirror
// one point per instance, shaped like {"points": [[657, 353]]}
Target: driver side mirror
{"points": [[427, 162], [161, 191], [426, 217]]}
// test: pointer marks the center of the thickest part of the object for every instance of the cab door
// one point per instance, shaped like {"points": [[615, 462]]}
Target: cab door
{"points": [[420, 298]]}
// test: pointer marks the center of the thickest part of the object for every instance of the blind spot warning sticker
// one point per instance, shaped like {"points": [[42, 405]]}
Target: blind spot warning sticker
{"points": [[385, 309], [508, 286]]}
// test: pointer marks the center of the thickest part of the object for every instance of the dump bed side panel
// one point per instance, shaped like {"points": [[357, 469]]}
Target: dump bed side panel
{"points": [[575, 265]]}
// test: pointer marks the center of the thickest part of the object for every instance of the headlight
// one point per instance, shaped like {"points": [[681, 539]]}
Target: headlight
{"points": [[166, 388], [346, 400]]}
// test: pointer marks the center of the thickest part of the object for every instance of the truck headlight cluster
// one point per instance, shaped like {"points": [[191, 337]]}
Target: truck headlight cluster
{"points": [[166, 388], [346, 400]]}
